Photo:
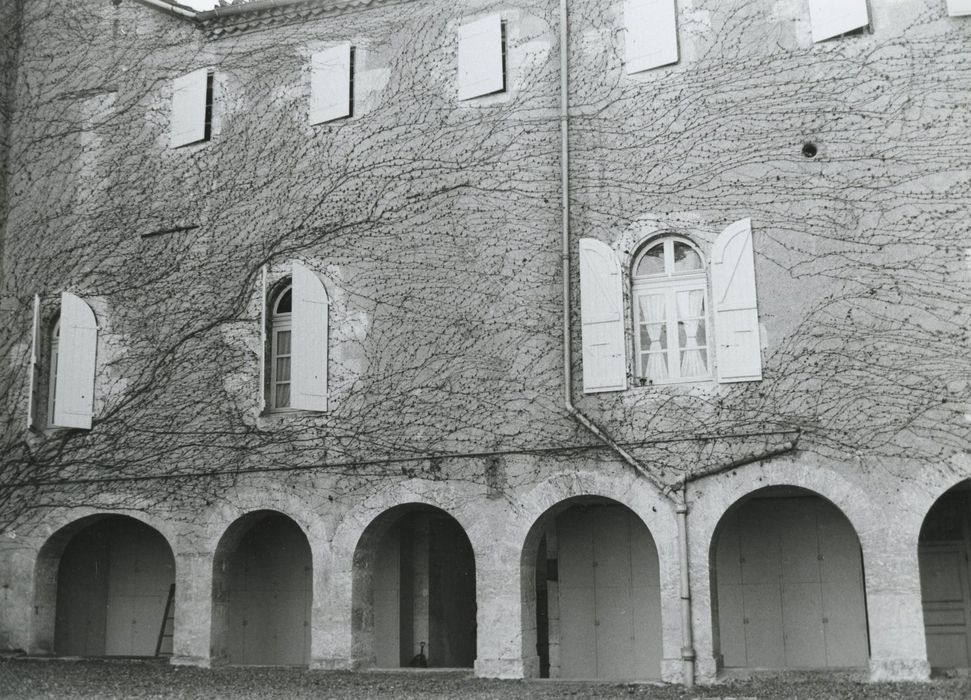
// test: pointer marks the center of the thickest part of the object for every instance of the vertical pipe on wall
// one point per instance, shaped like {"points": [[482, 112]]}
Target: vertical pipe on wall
{"points": [[687, 634], [681, 507], [565, 210]]}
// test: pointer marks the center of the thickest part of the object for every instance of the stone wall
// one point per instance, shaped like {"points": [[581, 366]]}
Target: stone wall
{"points": [[434, 224]]}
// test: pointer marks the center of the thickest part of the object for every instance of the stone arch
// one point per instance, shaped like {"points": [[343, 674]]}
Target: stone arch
{"points": [[262, 592], [591, 592], [614, 482], [787, 583], [414, 590], [101, 584], [944, 550]]}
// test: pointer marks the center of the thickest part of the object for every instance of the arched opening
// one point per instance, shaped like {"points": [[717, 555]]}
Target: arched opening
{"points": [[262, 592], [591, 593], [414, 591], [945, 579], [101, 588], [787, 584]]}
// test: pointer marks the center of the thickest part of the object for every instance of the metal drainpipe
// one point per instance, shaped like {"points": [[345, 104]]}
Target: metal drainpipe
{"points": [[681, 506], [687, 633], [171, 9]]}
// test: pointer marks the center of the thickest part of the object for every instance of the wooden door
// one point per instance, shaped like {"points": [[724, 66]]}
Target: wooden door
{"points": [[945, 582], [947, 604], [609, 595], [789, 581]]}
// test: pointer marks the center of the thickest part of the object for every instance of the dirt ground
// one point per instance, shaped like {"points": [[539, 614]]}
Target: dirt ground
{"points": [[23, 678]]}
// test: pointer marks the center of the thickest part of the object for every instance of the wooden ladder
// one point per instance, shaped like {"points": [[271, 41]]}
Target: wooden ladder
{"points": [[167, 617]]}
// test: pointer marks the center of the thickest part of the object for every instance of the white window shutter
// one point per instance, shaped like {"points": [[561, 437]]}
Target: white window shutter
{"points": [[76, 352], [308, 342], [831, 18], [261, 394], [602, 318], [34, 350], [480, 57], [957, 8], [736, 308], [330, 84], [652, 34], [189, 108]]}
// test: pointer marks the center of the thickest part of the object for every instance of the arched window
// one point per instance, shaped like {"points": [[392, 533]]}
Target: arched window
{"points": [[52, 381], [670, 296], [281, 325]]}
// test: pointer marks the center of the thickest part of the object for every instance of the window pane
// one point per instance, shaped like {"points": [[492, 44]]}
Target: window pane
{"points": [[653, 336], [283, 343], [685, 258], [652, 262], [285, 304], [282, 396], [691, 333], [283, 369]]}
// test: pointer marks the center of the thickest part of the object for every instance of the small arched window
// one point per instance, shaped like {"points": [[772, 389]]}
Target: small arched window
{"points": [[281, 326], [670, 294], [52, 380]]}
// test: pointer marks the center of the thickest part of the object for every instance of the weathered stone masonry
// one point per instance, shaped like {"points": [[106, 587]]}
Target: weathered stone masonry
{"points": [[433, 224]]}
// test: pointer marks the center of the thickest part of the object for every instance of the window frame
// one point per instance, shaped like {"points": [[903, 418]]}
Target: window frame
{"points": [[54, 340], [279, 322], [669, 284]]}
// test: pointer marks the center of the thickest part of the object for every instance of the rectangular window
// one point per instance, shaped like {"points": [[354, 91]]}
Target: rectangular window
{"points": [[281, 369], [957, 8], [331, 83], [481, 57], [831, 18], [191, 119], [652, 34], [672, 333]]}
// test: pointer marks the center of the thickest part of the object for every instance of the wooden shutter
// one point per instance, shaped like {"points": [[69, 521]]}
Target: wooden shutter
{"points": [[76, 352], [308, 342], [601, 318], [652, 34], [330, 84], [736, 310], [261, 395], [480, 57], [34, 350], [957, 8], [189, 108], [831, 18]]}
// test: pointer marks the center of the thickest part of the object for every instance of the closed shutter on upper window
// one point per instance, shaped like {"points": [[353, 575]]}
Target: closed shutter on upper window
{"points": [[189, 108], [652, 34], [480, 57], [308, 342], [77, 350], [831, 18], [602, 318], [330, 84], [956, 8], [739, 354]]}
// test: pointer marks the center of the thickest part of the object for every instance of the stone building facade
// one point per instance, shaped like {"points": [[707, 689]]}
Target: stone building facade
{"points": [[286, 291]]}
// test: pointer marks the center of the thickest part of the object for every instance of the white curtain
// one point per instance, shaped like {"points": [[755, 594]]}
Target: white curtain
{"points": [[652, 314], [690, 308], [282, 376]]}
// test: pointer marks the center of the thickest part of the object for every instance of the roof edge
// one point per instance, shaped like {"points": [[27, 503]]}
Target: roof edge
{"points": [[258, 14]]}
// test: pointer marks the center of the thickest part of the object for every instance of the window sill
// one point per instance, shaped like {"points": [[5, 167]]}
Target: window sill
{"points": [[640, 383]]}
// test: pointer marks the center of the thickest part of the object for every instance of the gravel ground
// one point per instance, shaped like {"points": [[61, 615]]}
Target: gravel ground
{"points": [[24, 678]]}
